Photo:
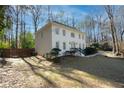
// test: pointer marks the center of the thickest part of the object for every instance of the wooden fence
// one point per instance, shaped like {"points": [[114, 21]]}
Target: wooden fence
{"points": [[17, 52]]}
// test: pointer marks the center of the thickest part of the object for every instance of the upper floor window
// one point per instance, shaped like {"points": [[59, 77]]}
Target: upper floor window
{"points": [[64, 32], [72, 35], [57, 31]]}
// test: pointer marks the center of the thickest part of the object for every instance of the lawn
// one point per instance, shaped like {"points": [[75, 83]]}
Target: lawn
{"points": [[97, 71]]}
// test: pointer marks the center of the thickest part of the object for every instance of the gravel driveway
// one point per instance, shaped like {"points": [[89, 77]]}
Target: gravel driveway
{"points": [[36, 72]]}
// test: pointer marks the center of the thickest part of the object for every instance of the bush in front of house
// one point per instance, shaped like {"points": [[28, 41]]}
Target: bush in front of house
{"points": [[55, 52], [73, 51], [54, 55], [89, 51]]}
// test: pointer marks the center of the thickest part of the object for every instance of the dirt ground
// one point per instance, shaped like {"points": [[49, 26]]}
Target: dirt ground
{"points": [[86, 72]]}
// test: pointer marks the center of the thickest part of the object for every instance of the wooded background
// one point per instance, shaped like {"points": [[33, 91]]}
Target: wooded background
{"points": [[19, 23]]}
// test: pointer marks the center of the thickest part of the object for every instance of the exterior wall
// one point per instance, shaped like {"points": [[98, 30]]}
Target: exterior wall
{"points": [[43, 43], [67, 38], [46, 38]]}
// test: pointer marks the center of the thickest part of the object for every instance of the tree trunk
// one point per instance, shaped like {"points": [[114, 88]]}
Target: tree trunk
{"points": [[35, 27], [17, 31], [109, 11], [113, 36], [122, 36]]}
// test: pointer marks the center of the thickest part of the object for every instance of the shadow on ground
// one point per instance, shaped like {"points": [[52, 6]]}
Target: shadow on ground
{"points": [[103, 67], [34, 68], [3, 62], [108, 68]]}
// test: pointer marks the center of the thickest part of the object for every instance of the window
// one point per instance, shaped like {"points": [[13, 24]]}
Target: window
{"points": [[79, 45], [64, 33], [73, 44], [82, 36], [82, 46], [64, 45], [57, 44], [72, 35], [79, 36], [57, 31]]}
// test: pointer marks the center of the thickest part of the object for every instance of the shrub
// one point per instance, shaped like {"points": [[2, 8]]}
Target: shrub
{"points": [[27, 41], [53, 55], [4, 45], [73, 51], [55, 52], [106, 47], [89, 50], [95, 45], [1, 52]]}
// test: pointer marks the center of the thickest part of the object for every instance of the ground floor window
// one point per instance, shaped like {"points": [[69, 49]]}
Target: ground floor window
{"points": [[73, 44], [64, 45], [79, 45], [57, 44], [82, 46]]}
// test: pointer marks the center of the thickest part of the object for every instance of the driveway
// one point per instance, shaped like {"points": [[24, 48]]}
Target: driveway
{"points": [[97, 71]]}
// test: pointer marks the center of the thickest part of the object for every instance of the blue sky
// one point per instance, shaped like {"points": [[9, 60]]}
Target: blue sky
{"points": [[77, 11], [88, 9]]}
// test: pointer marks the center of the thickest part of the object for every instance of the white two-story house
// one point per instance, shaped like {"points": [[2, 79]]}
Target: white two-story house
{"points": [[57, 35]]}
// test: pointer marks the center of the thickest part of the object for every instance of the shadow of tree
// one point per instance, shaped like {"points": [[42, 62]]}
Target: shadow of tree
{"points": [[40, 59], [33, 68], [60, 72], [3, 62], [104, 67]]}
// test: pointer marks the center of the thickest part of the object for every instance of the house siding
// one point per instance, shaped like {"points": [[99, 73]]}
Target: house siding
{"points": [[44, 44], [50, 37], [67, 38]]}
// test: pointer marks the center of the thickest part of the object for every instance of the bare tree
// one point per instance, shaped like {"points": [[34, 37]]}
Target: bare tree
{"points": [[36, 12], [119, 22], [109, 10], [16, 12]]}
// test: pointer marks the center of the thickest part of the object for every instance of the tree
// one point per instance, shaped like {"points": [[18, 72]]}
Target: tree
{"points": [[110, 12], [103, 28], [29, 40], [88, 24], [2, 17], [36, 12], [16, 10], [23, 15], [119, 22], [5, 24]]}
